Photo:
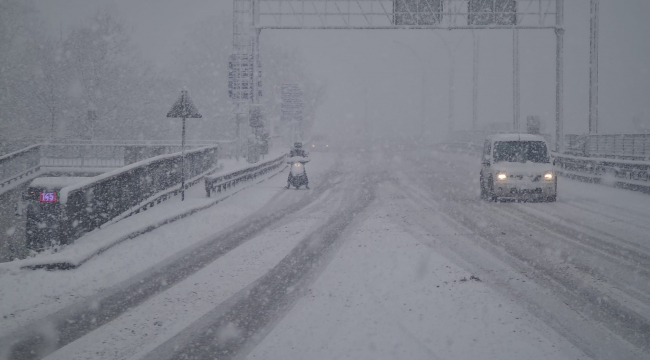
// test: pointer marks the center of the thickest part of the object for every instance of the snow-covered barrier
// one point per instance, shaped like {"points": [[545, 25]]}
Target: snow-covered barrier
{"points": [[626, 174], [223, 182], [91, 203], [619, 146]]}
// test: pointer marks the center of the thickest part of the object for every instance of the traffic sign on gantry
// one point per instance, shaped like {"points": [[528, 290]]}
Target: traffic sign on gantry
{"points": [[405, 14]]}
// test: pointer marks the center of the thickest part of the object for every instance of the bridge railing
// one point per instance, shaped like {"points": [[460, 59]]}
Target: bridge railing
{"points": [[14, 166], [222, 182], [627, 174], [21, 165], [190, 143], [90, 204], [620, 146]]}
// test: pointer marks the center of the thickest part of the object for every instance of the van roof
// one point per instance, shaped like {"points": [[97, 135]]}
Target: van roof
{"points": [[515, 137], [56, 183]]}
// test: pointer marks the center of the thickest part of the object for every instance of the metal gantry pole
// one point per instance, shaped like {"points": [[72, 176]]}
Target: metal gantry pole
{"points": [[424, 87], [559, 76], [452, 71], [254, 67], [475, 81], [255, 32], [515, 80], [593, 68], [183, 162]]}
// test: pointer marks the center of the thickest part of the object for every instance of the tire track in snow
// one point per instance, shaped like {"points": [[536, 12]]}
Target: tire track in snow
{"points": [[44, 337], [237, 325], [568, 283]]}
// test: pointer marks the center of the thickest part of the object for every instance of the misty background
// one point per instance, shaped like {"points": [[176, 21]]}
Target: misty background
{"points": [[143, 52]]}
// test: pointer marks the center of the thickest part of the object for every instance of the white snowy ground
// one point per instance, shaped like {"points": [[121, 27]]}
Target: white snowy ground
{"points": [[139, 331], [28, 295], [387, 295], [565, 280]]}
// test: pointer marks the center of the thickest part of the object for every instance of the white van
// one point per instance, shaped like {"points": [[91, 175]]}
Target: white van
{"points": [[517, 166]]}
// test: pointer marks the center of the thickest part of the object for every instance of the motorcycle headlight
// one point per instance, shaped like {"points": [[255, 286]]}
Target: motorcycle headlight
{"points": [[502, 176], [296, 164], [548, 176]]}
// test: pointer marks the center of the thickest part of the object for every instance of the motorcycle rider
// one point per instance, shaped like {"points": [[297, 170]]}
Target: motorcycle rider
{"points": [[298, 151]]}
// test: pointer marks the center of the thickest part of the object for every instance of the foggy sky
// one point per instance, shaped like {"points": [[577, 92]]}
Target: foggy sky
{"points": [[360, 65]]}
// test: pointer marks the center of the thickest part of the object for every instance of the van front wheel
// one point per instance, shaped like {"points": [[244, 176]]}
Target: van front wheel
{"points": [[490, 190], [484, 193]]}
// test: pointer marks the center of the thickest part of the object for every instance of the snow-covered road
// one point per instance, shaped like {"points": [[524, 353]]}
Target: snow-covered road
{"points": [[388, 256]]}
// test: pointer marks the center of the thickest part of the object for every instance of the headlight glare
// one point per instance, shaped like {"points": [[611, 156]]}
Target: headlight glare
{"points": [[296, 164], [502, 176], [548, 176]]}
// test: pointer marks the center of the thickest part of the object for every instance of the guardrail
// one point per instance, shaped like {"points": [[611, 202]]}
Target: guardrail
{"points": [[626, 174], [191, 143], [90, 204], [621, 146], [218, 183]]}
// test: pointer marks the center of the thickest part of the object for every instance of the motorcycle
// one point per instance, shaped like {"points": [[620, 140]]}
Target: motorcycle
{"points": [[297, 174]]}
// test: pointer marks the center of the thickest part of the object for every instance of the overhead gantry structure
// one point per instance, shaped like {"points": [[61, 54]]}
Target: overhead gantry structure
{"points": [[253, 16]]}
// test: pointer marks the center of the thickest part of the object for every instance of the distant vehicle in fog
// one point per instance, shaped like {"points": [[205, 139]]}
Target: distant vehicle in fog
{"points": [[318, 143], [517, 166]]}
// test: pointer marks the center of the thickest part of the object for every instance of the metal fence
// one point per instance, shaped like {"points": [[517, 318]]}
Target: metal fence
{"points": [[88, 206], [223, 182], [621, 146]]}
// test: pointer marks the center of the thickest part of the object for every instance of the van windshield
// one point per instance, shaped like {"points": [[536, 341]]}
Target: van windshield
{"points": [[520, 151]]}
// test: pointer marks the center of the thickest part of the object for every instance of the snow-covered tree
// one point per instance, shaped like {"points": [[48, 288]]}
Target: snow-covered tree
{"points": [[18, 120], [201, 66]]}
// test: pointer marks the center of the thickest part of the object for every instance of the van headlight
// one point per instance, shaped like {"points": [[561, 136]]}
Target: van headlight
{"points": [[548, 176], [502, 176]]}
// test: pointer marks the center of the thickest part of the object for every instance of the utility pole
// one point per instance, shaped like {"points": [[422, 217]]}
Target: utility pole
{"points": [[593, 68]]}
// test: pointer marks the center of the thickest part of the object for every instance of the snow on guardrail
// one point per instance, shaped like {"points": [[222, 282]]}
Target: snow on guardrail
{"points": [[224, 181], [627, 174]]}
